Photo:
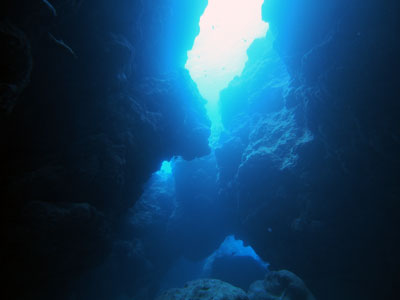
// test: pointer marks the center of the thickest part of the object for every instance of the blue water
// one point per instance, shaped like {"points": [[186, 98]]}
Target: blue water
{"points": [[219, 54], [231, 261], [166, 168]]}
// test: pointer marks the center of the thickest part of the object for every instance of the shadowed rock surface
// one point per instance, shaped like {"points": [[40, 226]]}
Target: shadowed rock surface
{"points": [[279, 285], [315, 128], [88, 113], [205, 289]]}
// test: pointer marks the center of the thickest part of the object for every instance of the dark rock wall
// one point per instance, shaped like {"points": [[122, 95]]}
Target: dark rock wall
{"points": [[90, 108], [316, 171]]}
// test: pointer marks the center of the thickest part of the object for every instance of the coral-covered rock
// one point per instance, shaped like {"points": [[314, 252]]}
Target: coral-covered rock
{"points": [[205, 289]]}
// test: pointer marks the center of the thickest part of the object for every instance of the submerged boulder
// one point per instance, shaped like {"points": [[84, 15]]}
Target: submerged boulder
{"points": [[282, 285], [205, 289]]}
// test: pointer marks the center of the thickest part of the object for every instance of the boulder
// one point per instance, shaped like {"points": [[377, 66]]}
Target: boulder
{"points": [[205, 289], [280, 285]]}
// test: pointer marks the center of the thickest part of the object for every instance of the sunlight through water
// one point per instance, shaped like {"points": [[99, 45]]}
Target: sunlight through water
{"points": [[219, 53], [165, 169]]}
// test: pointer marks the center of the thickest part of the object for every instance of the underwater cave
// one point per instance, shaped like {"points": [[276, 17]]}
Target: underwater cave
{"points": [[203, 149]]}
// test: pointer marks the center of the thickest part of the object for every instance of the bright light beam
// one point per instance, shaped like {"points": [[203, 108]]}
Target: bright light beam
{"points": [[219, 53]]}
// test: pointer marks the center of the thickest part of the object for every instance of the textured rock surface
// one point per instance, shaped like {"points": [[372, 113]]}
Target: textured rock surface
{"points": [[316, 140], [205, 289], [279, 285], [89, 110]]}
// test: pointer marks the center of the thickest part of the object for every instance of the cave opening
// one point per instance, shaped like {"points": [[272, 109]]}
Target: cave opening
{"points": [[166, 168], [232, 35], [219, 53]]}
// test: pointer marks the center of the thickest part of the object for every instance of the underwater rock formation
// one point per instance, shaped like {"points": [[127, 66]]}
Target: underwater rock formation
{"points": [[95, 117], [270, 136], [282, 285], [317, 137], [93, 99], [276, 285], [16, 64], [205, 289]]}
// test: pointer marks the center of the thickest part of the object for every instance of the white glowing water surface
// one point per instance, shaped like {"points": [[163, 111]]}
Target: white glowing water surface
{"points": [[227, 29]]}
